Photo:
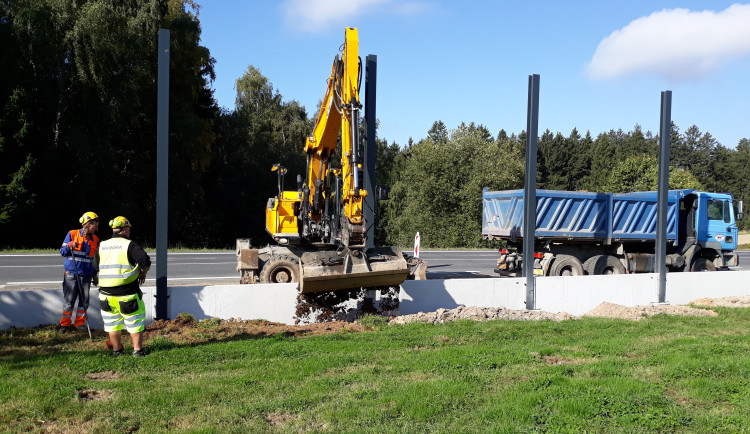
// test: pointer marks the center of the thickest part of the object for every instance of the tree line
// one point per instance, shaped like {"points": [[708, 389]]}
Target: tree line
{"points": [[78, 133]]}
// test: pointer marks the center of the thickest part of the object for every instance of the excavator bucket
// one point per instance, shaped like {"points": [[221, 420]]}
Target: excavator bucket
{"points": [[331, 270]]}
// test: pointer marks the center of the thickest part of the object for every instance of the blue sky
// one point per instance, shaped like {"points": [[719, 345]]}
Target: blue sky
{"points": [[602, 64]]}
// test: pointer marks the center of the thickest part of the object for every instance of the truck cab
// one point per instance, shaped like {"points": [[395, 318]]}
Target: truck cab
{"points": [[716, 226]]}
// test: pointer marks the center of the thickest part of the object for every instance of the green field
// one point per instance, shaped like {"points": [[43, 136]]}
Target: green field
{"points": [[660, 374]]}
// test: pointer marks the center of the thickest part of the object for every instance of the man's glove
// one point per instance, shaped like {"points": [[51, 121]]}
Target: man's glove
{"points": [[142, 277], [95, 280], [72, 244]]}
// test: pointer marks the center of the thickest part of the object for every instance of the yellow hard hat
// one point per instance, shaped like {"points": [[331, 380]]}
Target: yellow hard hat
{"points": [[88, 216], [119, 222]]}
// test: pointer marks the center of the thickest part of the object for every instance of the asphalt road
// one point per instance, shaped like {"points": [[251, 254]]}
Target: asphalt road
{"points": [[45, 271], [32, 271]]}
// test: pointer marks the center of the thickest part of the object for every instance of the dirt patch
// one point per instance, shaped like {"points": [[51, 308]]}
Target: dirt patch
{"points": [[94, 395], [743, 301], [604, 310], [478, 314], [106, 375], [635, 313], [278, 419], [181, 330], [555, 360]]}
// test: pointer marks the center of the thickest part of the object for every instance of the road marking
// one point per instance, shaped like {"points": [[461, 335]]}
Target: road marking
{"points": [[152, 280], [29, 266]]}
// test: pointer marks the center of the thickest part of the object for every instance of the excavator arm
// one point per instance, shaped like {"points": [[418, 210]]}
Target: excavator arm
{"points": [[338, 113]]}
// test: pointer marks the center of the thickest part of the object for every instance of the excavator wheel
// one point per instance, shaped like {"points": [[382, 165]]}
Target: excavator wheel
{"points": [[280, 269]]}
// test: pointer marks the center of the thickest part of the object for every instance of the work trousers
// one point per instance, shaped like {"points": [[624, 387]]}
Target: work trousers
{"points": [[71, 293], [126, 311]]}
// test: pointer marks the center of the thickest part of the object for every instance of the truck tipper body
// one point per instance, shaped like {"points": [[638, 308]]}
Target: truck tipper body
{"points": [[613, 233]]}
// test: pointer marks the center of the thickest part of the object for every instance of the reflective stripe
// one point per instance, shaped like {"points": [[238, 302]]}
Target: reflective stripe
{"points": [[108, 316], [67, 314], [137, 318], [118, 276], [113, 323]]}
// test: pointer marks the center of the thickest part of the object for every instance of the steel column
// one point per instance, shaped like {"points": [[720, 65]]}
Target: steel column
{"points": [[371, 146], [529, 196], [162, 175], [665, 133]]}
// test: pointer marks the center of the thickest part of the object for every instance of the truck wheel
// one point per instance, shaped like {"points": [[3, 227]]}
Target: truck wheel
{"points": [[280, 269], [566, 265], [602, 265], [590, 264], [703, 264]]}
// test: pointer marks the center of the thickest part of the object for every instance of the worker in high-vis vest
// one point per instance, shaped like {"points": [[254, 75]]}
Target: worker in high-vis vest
{"points": [[122, 265], [78, 249]]}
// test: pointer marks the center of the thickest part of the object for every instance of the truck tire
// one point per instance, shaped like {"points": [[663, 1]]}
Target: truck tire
{"points": [[280, 269], [702, 264], [566, 265], [590, 263], [602, 265]]}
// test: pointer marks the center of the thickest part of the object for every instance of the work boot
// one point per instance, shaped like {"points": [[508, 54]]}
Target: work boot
{"points": [[119, 352], [139, 353], [72, 328], [62, 329]]}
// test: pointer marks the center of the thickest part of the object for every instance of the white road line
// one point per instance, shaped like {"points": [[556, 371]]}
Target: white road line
{"points": [[151, 280], [30, 266]]}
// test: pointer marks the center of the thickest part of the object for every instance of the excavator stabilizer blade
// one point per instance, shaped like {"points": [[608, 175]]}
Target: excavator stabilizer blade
{"points": [[331, 270]]}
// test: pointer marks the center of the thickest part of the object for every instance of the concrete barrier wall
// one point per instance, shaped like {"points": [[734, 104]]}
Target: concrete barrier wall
{"points": [[277, 303], [270, 302]]}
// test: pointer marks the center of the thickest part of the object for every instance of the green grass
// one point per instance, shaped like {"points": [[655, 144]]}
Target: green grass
{"points": [[661, 374]]}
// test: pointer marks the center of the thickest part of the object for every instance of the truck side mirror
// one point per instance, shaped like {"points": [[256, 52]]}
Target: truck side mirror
{"points": [[382, 192], [739, 210]]}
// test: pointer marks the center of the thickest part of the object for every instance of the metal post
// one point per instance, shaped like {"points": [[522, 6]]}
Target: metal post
{"points": [[665, 132], [371, 75], [162, 172], [529, 194]]}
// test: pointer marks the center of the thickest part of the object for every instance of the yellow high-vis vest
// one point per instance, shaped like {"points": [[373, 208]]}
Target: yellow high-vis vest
{"points": [[114, 268]]}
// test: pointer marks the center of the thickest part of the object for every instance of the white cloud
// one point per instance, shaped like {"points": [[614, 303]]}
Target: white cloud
{"points": [[319, 15], [676, 44]]}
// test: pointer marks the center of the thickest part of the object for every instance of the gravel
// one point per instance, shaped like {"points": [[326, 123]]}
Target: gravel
{"points": [[604, 310]]}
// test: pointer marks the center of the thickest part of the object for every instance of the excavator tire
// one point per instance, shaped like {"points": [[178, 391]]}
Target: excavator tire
{"points": [[280, 269]]}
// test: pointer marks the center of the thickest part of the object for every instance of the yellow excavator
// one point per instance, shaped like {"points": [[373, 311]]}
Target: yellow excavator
{"points": [[320, 229]]}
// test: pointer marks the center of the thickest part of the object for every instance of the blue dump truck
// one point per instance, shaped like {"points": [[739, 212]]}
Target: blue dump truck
{"points": [[609, 233]]}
